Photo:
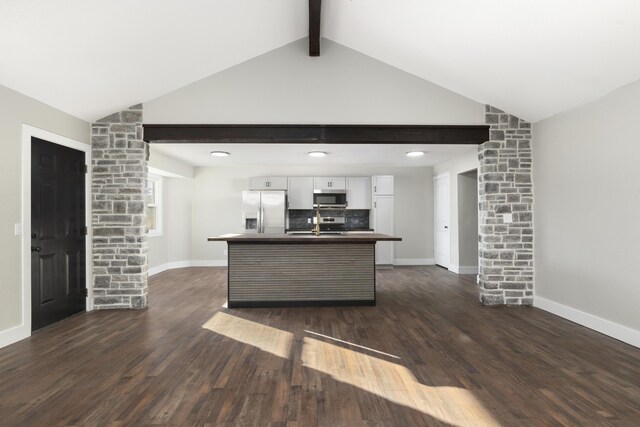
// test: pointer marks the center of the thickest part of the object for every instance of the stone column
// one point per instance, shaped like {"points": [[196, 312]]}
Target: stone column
{"points": [[504, 178], [119, 222]]}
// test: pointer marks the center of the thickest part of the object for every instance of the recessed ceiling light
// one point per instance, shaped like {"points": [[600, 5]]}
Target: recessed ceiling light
{"points": [[415, 153], [317, 154], [220, 153]]}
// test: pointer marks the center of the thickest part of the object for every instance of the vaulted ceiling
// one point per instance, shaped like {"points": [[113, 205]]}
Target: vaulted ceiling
{"points": [[533, 58]]}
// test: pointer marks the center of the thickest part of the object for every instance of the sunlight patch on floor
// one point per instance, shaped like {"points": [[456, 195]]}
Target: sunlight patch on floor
{"points": [[266, 338], [395, 383], [352, 344]]}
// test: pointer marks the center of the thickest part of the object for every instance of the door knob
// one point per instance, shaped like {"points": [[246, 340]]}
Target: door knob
{"points": [[36, 248]]}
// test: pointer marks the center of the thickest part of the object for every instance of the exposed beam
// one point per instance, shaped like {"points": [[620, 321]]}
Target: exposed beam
{"points": [[314, 27], [321, 134]]}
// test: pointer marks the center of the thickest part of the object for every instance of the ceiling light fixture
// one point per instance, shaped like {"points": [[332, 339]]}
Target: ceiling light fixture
{"points": [[317, 153], [220, 154], [415, 153]]}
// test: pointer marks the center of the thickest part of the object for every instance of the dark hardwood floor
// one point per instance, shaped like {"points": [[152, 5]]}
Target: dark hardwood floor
{"points": [[427, 354]]}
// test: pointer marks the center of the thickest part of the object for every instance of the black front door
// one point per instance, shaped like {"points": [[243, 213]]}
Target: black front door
{"points": [[58, 277]]}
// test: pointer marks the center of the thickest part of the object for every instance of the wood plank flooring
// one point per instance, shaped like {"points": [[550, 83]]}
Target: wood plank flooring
{"points": [[427, 354]]}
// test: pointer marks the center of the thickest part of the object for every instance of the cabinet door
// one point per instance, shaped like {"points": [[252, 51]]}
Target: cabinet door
{"points": [[384, 223], [359, 193], [321, 183], [268, 183], [277, 183], [258, 183], [383, 185], [329, 183], [300, 193]]}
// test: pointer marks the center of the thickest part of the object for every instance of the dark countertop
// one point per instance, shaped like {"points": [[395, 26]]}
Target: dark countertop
{"points": [[304, 238]]}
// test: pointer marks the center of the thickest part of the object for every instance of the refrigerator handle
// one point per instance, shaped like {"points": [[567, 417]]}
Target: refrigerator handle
{"points": [[260, 220]]}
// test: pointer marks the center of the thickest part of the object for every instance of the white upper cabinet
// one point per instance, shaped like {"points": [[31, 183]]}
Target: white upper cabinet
{"points": [[382, 185], [359, 193], [300, 193], [268, 183], [329, 183]]}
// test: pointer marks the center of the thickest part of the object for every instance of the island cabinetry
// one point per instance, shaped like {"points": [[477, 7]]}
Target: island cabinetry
{"points": [[275, 270], [293, 274]]}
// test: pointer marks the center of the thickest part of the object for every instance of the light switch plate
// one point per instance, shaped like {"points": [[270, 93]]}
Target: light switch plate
{"points": [[507, 218], [17, 229]]}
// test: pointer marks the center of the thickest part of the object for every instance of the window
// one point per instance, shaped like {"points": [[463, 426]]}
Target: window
{"points": [[153, 198]]}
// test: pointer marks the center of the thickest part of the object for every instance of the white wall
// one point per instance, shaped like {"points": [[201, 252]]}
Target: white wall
{"points": [[16, 109], [461, 164], [217, 204], [587, 210], [174, 246], [287, 86]]}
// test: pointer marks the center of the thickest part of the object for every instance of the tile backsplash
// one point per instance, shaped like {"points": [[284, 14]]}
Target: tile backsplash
{"points": [[354, 218]]}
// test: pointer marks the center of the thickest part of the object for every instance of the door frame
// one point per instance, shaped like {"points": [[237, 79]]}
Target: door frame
{"points": [[435, 213], [27, 133]]}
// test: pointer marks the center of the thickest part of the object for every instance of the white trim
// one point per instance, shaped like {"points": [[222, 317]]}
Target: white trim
{"points": [[464, 269], [209, 263], [414, 261], [607, 327], [14, 334], [158, 180], [24, 329], [184, 264]]}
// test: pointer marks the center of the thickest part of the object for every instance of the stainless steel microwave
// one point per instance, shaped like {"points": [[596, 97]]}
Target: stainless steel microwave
{"points": [[329, 199]]}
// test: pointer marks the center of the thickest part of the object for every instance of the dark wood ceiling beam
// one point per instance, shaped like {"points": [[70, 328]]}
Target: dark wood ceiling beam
{"points": [[314, 27], [321, 134]]}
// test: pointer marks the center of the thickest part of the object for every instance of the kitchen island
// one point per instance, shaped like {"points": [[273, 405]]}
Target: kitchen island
{"points": [[276, 270]]}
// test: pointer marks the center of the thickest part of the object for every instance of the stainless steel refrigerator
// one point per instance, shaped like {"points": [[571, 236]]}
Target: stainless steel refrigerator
{"points": [[263, 211]]}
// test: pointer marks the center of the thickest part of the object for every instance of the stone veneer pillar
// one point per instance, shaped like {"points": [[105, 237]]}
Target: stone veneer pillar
{"points": [[119, 222], [504, 178]]}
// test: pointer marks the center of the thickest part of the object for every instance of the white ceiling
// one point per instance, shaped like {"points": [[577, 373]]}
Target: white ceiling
{"points": [[533, 58], [296, 154]]}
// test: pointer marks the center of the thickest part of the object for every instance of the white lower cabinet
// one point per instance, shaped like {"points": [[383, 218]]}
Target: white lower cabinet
{"points": [[383, 222]]}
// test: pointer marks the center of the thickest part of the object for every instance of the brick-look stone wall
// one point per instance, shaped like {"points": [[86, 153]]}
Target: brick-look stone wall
{"points": [[119, 174], [504, 178]]}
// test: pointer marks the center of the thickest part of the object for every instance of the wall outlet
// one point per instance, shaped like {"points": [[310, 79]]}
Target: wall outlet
{"points": [[17, 229], [224, 252]]}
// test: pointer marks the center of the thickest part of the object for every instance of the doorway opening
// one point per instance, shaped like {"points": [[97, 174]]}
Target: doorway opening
{"points": [[56, 249], [468, 222]]}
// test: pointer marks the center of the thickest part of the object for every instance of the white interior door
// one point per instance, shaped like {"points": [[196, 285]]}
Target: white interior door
{"points": [[442, 222]]}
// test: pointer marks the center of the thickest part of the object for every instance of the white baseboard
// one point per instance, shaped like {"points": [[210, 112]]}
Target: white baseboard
{"points": [[607, 327], [414, 261], [13, 334], [209, 263], [463, 269], [189, 263]]}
